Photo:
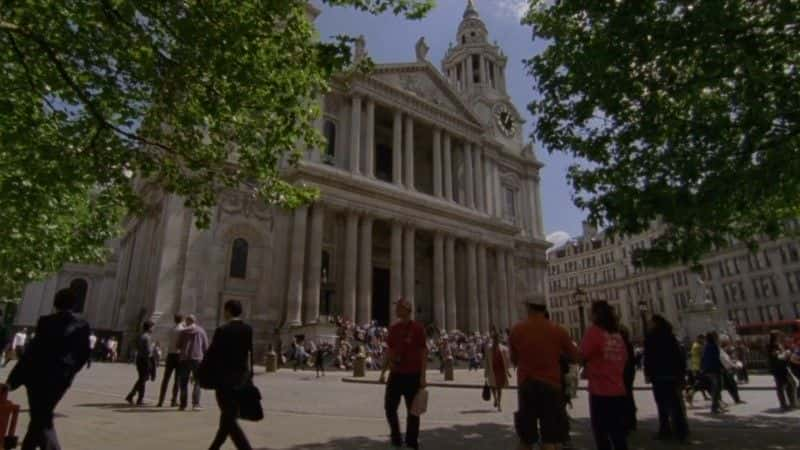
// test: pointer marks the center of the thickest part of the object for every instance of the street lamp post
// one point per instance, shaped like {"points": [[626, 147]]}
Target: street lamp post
{"points": [[643, 315], [579, 299]]}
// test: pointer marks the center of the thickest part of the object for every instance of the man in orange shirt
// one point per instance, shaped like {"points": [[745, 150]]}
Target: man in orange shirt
{"points": [[537, 344]]}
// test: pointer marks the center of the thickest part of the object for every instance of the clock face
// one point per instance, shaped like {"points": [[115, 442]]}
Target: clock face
{"points": [[505, 120]]}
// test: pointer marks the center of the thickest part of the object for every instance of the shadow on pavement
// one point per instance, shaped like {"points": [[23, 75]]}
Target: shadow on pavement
{"points": [[121, 407], [730, 433]]}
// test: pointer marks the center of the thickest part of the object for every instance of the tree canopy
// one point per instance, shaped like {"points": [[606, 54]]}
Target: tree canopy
{"points": [[682, 111], [191, 97]]}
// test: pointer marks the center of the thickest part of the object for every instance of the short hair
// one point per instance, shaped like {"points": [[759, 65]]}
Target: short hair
{"points": [[234, 307], [661, 324], [534, 307], [147, 325], [65, 300], [178, 318]]}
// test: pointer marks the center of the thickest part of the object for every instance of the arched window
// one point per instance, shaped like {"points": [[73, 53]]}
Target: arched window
{"points": [[330, 138], [239, 259], [79, 286]]}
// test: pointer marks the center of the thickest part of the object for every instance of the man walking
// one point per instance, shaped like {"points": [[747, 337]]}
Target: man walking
{"points": [[172, 363], [537, 346], [407, 360], [230, 359], [665, 368], [192, 345], [58, 352]]}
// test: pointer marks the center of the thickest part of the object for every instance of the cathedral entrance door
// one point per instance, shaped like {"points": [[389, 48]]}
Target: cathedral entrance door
{"points": [[381, 303]]}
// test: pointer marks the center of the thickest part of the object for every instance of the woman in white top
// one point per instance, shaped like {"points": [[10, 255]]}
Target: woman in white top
{"points": [[497, 366]]}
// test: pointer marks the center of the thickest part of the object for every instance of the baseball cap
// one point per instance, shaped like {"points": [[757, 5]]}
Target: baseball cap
{"points": [[536, 299]]}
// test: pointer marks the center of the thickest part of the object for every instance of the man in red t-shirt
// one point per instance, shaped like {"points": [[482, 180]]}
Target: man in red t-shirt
{"points": [[406, 360], [537, 346]]}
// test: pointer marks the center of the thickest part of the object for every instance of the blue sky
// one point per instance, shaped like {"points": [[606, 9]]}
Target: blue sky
{"points": [[391, 39]]}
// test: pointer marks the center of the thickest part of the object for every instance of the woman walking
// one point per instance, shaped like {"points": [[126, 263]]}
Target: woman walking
{"points": [[144, 363], [497, 366], [603, 350], [778, 366]]}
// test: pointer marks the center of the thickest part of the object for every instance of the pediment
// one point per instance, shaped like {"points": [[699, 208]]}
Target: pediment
{"points": [[425, 82]]}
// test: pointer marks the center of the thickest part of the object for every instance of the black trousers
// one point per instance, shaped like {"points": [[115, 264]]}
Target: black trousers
{"points": [[671, 410], [143, 372], [730, 385], [608, 424], [402, 386], [41, 434], [170, 368], [228, 427]]}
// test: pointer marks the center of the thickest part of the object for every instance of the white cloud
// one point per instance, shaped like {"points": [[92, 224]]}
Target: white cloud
{"points": [[558, 238], [517, 8]]}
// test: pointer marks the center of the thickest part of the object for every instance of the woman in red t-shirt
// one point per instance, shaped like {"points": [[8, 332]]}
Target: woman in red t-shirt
{"points": [[497, 364], [604, 352]]}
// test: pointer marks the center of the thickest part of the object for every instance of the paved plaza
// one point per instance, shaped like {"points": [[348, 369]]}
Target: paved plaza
{"points": [[303, 412]]}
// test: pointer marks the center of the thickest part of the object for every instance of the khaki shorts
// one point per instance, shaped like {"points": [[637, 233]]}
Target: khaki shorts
{"points": [[541, 413]]}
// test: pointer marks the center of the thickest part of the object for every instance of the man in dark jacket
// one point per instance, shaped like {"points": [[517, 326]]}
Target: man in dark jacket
{"points": [[230, 360], [59, 351], [144, 364], [665, 367], [711, 366]]}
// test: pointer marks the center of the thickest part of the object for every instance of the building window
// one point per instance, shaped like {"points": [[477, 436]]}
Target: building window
{"points": [[330, 145], [476, 69], [239, 259], [80, 287], [509, 200]]}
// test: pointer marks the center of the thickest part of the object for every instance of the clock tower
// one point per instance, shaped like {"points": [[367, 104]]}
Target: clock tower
{"points": [[476, 68]]}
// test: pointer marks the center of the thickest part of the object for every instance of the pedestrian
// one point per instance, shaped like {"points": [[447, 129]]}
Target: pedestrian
{"points": [[784, 384], [112, 349], [604, 353], [629, 375], [171, 365], [92, 342], [728, 370], [144, 360], [18, 345], [56, 355], [497, 366], [319, 360], [192, 347], [406, 362], [711, 367], [697, 381], [665, 368], [229, 358], [536, 346]]}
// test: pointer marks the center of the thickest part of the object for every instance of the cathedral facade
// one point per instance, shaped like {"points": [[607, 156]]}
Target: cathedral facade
{"points": [[428, 191]]}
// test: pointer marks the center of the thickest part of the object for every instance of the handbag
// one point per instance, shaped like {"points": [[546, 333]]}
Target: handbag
{"points": [[249, 398], [420, 404], [487, 393]]}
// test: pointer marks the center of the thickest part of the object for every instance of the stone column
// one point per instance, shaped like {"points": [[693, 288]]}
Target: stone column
{"points": [[450, 282], [355, 135], [397, 150], [483, 289], [350, 264], [312, 291], [470, 72], [498, 191], [408, 266], [537, 196], [513, 310], [502, 289], [437, 163], [479, 196], [364, 308], [294, 291], [469, 176], [472, 288], [369, 153], [396, 268], [438, 282], [448, 168], [484, 77], [487, 186], [409, 152]]}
